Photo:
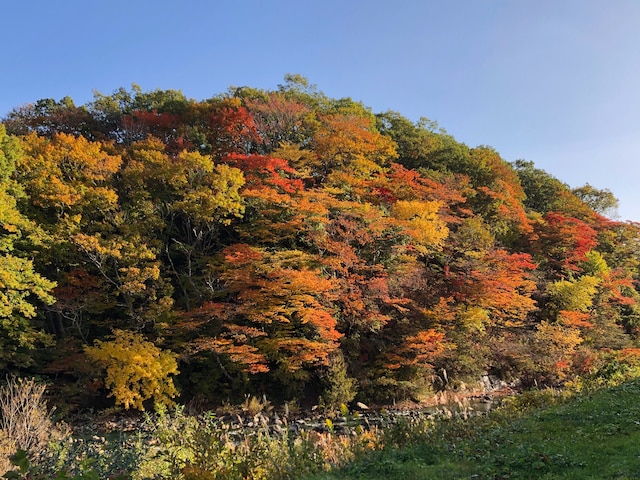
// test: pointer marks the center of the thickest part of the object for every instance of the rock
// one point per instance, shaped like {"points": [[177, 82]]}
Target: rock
{"points": [[491, 383], [362, 406]]}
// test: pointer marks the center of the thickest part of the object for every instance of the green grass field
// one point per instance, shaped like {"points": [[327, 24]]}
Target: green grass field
{"points": [[589, 436]]}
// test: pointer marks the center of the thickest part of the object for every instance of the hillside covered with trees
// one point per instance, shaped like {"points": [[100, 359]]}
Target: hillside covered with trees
{"points": [[159, 248]]}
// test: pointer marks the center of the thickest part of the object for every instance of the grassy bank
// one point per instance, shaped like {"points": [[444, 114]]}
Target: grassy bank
{"points": [[589, 436], [537, 435]]}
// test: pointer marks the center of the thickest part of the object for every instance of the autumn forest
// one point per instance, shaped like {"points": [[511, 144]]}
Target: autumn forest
{"points": [[156, 248]]}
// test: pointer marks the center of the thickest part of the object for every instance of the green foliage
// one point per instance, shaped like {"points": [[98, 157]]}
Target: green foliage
{"points": [[541, 189], [419, 144], [80, 459], [600, 201], [595, 264], [339, 387], [285, 242], [20, 285], [204, 447], [22, 288], [545, 193], [574, 295], [539, 435]]}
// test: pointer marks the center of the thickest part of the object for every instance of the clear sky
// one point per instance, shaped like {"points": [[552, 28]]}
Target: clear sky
{"points": [[552, 81]]}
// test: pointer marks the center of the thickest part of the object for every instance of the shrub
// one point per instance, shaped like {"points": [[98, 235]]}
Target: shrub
{"points": [[25, 420], [253, 406], [204, 447], [136, 369], [83, 468], [340, 388]]}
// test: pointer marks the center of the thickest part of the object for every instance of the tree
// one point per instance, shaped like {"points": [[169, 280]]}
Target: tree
{"points": [[46, 117], [265, 172], [422, 223], [289, 241], [227, 126], [22, 288], [340, 388], [350, 141], [273, 314], [498, 194], [108, 110], [279, 120], [600, 201], [180, 203], [619, 244], [419, 145], [136, 369], [545, 193], [132, 274], [573, 295], [562, 242], [115, 114], [65, 175], [188, 187], [162, 125], [554, 348]]}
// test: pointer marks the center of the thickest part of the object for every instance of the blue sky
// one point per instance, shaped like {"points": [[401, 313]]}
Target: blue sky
{"points": [[552, 81]]}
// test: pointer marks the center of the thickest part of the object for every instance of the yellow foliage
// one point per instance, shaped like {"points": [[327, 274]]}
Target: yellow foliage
{"points": [[217, 198], [298, 158], [189, 184], [68, 171], [556, 345], [136, 370], [595, 264], [558, 338], [474, 318], [349, 141], [576, 295], [422, 221]]}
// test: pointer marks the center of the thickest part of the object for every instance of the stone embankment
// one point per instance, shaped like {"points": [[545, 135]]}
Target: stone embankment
{"points": [[463, 401]]}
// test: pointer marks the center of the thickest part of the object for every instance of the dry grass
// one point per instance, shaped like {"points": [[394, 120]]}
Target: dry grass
{"points": [[25, 420]]}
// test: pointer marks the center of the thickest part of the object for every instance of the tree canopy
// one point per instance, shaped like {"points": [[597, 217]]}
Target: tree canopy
{"points": [[286, 243]]}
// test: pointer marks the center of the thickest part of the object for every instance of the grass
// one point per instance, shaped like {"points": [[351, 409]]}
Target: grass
{"points": [[535, 435], [590, 436]]}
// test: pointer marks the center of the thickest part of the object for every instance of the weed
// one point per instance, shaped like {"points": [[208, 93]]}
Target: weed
{"points": [[25, 420], [546, 434], [253, 406]]}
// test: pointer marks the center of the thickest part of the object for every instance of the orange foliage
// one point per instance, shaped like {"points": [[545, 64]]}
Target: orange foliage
{"points": [[422, 348], [245, 355], [502, 284], [262, 172], [563, 242], [277, 303], [575, 319], [620, 288], [405, 184]]}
